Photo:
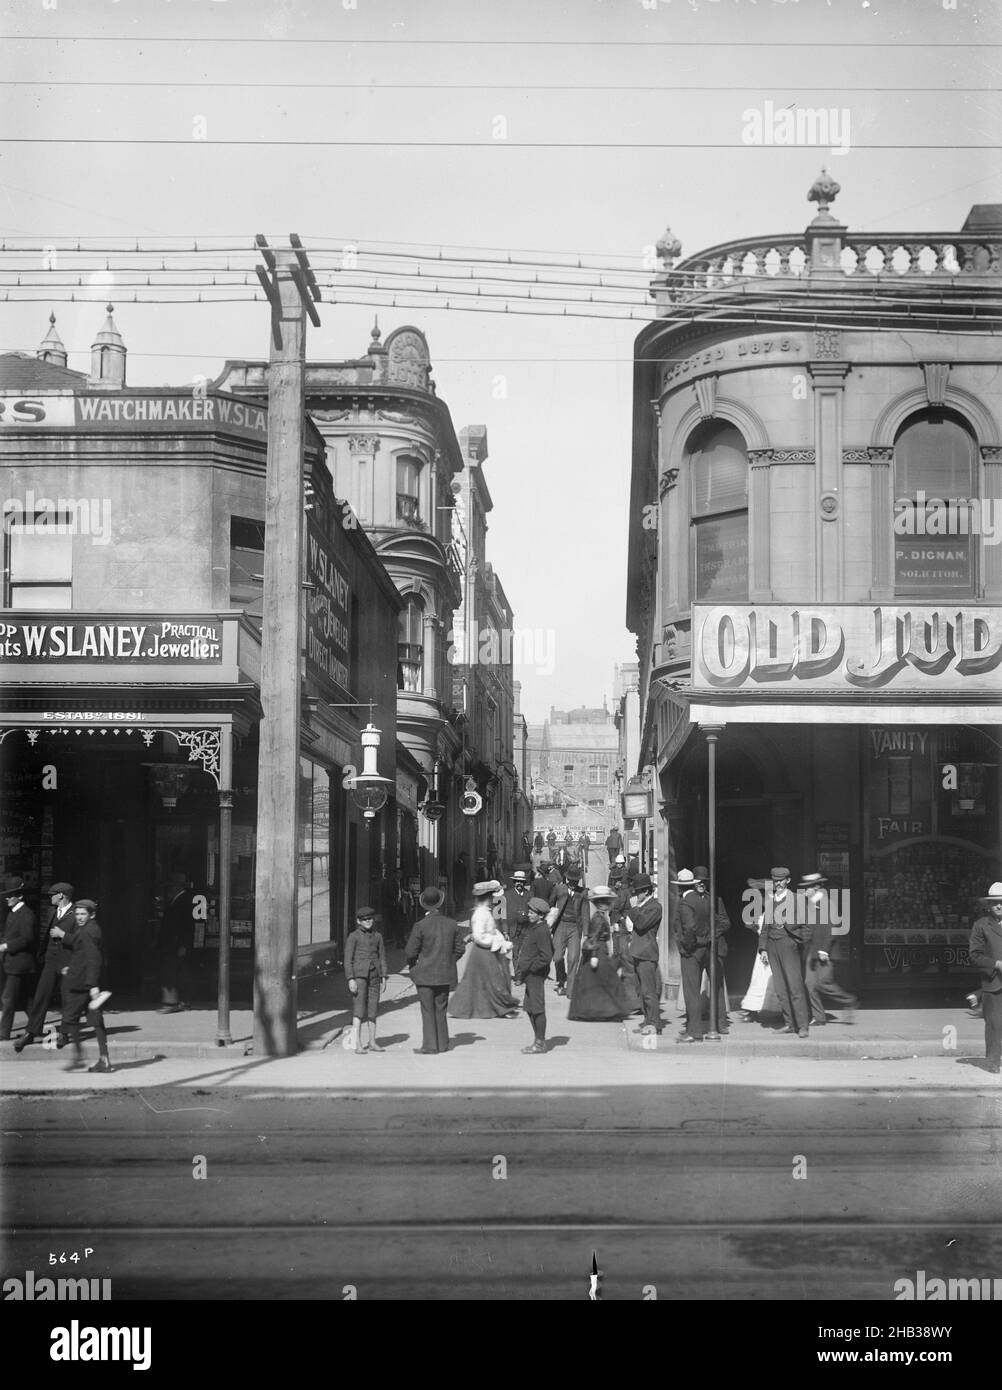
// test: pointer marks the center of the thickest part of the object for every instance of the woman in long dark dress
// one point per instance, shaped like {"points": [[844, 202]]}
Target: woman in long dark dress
{"points": [[598, 995], [485, 989]]}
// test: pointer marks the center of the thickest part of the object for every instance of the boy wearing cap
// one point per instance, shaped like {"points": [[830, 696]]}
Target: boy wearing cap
{"points": [[366, 972], [532, 966], [82, 984], [59, 923], [986, 955], [16, 952], [433, 948]]}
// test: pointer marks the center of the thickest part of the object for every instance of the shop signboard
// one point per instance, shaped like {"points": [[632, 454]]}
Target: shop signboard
{"points": [[328, 616], [173, 641], [788, 648]]}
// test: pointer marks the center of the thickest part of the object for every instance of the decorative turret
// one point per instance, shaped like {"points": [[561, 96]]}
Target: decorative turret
{"points": [[51, 349], [377, 351], [107, 356]]}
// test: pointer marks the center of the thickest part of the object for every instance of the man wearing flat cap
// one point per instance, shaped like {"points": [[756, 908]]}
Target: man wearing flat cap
{"points": [[17, 945], [986, 956], [781, 938], [58, 923], [532, 966], [433, 948]]}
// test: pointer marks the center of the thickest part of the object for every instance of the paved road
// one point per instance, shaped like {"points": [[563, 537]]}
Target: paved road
{"points": [[688, 1189]]}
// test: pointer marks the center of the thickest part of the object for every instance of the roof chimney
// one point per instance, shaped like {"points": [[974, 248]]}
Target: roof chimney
{"points": [[107, 357]]}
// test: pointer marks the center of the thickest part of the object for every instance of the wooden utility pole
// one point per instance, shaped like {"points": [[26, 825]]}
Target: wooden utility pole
{"points": [[291, 288]]}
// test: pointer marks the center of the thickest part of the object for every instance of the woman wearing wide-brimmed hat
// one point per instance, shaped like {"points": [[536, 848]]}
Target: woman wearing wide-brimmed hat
{"points": [[597, 994], [986, 955], [485, 989]]}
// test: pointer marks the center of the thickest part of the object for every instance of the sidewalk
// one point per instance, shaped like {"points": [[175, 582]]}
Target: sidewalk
{"points": [[325, 1016]]}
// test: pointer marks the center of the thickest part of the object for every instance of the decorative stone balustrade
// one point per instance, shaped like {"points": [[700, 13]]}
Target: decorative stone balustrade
{"points": [[864, 259]]}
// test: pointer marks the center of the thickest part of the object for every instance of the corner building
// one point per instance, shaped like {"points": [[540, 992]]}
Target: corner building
{"points": [[804, 407], [130, 659]]}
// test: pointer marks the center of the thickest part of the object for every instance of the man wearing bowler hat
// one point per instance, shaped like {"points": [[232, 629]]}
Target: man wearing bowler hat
{"points": [[986, 955], [532, 966], [58, 924], [819, 973], [433, 948], [17, 945], [780, 940], [645, 920]]}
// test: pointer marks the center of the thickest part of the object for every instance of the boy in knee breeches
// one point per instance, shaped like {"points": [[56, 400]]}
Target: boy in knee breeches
{"points": [[366, 973]]}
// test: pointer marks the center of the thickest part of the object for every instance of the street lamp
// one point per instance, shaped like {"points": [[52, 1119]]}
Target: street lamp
{"points": [[368, 789]]}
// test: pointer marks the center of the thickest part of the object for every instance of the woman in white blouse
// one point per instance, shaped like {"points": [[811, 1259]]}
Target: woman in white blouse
{"points": [[485, 989]]}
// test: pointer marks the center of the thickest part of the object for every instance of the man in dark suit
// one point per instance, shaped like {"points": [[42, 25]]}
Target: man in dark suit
{"points": [[17, 953], [59, 921], [645, 919], [781, 941], [819, 973], [694, 956], [433, 948], [613, 844], [516, 901], [986, 955]]}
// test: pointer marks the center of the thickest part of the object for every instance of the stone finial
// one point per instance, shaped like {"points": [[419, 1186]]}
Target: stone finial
{"points": [[668, 248], [823, 191], [52, 349]]}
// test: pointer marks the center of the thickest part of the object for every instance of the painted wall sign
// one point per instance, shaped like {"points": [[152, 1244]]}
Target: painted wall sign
{"points": [[162, 642], [846, 646], [328, 616], [134, 412]]}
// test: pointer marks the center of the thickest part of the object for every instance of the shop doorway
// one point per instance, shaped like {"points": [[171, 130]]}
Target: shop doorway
{"points": [[744, 847]]}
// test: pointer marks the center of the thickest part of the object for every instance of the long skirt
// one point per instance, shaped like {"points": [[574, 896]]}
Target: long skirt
{"points": [[485, 989], [761, 997], [621, 957], [598, 995]]}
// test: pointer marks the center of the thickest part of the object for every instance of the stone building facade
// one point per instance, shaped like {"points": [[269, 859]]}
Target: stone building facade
{"points": [[804, 598]]}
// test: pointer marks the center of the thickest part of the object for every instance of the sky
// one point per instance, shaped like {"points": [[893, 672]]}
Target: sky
{"points": [[546, 131]]}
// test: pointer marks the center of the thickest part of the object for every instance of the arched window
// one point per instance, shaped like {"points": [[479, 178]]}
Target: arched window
{"points": [[718, 498], [410, 646], [935, 481], [408, 490]]}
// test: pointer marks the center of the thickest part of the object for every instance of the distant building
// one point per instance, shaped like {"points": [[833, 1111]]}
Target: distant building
{"points": [[574, 759]]}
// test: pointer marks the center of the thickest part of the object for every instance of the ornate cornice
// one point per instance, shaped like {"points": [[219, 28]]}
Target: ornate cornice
{"points": [[868, 454], [760, 458], [991, 453], [793, 456]]}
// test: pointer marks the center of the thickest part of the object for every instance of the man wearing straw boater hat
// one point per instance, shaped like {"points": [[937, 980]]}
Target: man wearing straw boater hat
{"points": [[986, 955], [819, 973]]}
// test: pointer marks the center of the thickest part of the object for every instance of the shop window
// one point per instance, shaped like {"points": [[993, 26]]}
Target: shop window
{"points": [[38, 562], [934, 487], [410, 647], [408, 491], [247, 566], [718, 493], [313, 893]]}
